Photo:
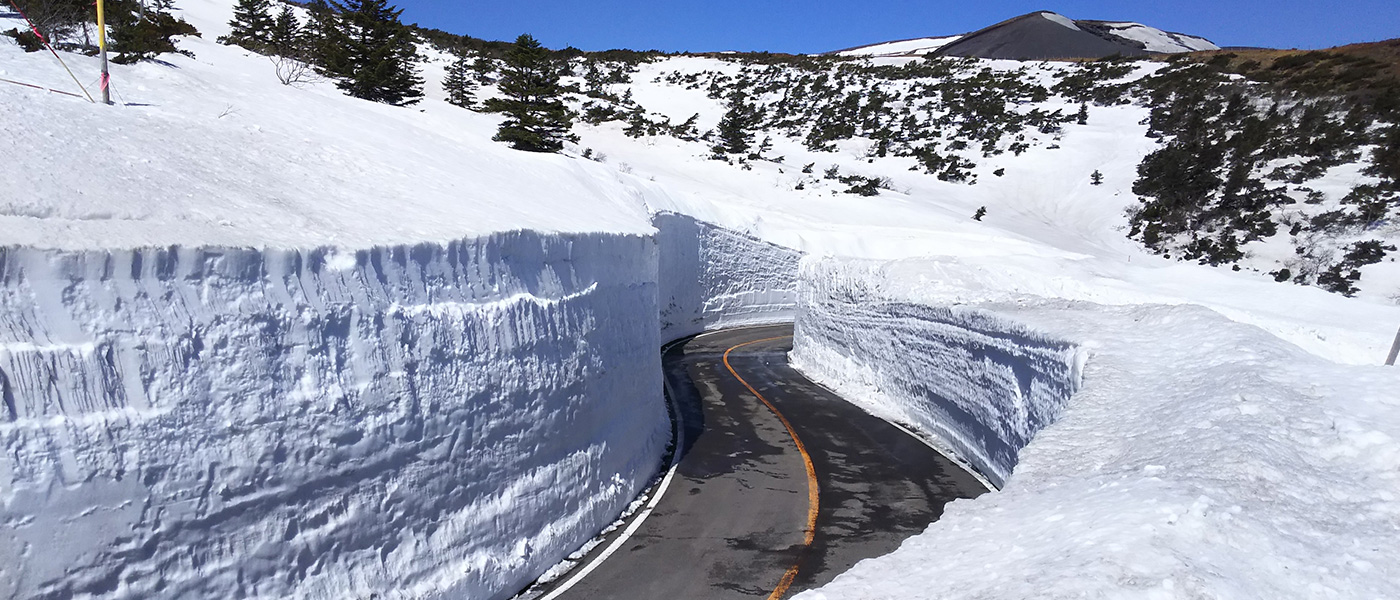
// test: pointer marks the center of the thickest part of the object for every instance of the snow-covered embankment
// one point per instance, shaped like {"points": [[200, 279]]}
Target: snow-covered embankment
{"points": [[980, 385], [712, 277], [416, 421]]}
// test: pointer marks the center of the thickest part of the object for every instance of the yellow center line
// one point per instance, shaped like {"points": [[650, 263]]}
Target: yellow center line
{"points": [[812, 490]]}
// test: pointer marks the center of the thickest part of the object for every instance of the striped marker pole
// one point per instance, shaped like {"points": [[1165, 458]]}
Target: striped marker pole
{"points": [[102, 45]]}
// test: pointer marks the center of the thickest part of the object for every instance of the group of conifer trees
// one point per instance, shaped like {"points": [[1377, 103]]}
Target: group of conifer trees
{"points": [[364, 47], [137, 29]]}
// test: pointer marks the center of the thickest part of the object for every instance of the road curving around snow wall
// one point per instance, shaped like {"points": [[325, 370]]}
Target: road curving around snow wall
{"points": [[440, 420], [979, 385]]}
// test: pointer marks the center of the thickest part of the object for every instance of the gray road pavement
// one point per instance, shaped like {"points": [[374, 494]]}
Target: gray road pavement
{"points": [[735, 520]]}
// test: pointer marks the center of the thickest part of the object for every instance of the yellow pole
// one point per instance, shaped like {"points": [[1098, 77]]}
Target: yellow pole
{"points": [[102, 45]]}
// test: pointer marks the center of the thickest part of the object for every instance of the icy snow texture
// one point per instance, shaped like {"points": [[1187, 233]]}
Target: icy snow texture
{"points": [[979, 385], [412, 421], [1203, 458], [711, 278]]}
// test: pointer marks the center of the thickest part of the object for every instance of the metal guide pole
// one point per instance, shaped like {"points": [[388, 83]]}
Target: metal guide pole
{"points": [[102, 45]]}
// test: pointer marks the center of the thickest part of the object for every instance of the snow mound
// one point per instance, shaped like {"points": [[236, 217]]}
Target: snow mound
{"points": [[1201, 458]]}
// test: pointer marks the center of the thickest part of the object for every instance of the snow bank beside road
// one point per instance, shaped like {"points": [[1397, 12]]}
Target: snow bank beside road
{"points": [[711, 277], [415, 421], [1202, 458], [980, 385]]}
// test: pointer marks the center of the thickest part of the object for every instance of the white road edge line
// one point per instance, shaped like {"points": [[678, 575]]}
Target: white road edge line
{"points": [[655, 498]]}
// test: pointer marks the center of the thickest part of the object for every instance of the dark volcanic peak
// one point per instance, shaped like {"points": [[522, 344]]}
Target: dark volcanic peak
{"points": [[1035, 36], [1045, 35]]}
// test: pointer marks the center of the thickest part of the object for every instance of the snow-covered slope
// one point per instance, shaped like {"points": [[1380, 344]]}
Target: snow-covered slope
{"points": [[213, 149], [1157, 40], [914, 47]]}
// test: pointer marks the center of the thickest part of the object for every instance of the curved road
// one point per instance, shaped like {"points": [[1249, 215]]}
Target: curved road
{"points": [[781, 484]]}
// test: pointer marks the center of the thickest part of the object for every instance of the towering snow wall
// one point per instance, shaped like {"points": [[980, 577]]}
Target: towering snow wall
{"points": [[979, 384], [711, 277], [438, 420]]}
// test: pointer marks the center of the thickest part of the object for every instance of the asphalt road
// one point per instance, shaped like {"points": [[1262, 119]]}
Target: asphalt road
{"points": [[781, 486]]}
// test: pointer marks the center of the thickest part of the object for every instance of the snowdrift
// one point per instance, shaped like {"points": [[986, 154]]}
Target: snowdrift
{"points": [[413, 421], [979, 385]]}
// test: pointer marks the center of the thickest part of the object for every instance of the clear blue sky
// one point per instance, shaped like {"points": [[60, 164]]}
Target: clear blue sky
{"points": [[822, 25]]}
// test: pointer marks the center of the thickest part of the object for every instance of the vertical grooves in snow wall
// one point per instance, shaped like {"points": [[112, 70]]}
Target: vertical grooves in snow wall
{"points": [[438, 420], [981, 385], [712, 278]]}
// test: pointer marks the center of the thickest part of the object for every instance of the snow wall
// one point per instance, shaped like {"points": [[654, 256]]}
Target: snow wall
{"points": [[418, 421], [437, 420], [712, 278], [978, 384]]}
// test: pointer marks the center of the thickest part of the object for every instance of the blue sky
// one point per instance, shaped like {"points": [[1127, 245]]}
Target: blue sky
{"points": [[821, 25]]}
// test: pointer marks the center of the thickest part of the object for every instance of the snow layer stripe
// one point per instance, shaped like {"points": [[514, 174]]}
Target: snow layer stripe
{"points": [[813, 491]]}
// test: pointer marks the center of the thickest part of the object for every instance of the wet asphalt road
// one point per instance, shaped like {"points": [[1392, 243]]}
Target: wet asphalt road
{"points": [[734, 521]]}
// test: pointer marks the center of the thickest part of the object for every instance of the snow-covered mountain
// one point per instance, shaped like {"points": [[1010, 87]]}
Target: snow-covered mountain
{"points": [[1045, 35], [260, 340]]}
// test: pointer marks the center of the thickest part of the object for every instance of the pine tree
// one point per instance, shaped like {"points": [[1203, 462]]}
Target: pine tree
{"points": [[286, 37], [735, 129], [460, 87], [326, 43], [1083, 115], [252, 25], [141, 32], [1096, 178], [536, 118], [371, 54], [981, 212]]}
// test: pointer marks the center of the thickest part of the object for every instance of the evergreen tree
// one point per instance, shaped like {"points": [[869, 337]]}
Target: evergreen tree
{"points": [[141, 32], [485, 70], [325, 42], [1096, 177], [286, 37], [735, 129], [981, 212], [1083, 116], [371, 54], [252, 25], [536, 118], [460, 87]]}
